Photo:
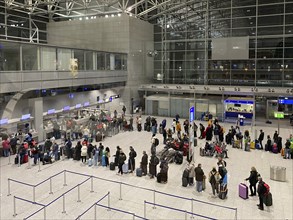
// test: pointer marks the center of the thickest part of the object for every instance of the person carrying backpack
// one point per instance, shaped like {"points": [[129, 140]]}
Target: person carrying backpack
{"points": [[214, 178]]}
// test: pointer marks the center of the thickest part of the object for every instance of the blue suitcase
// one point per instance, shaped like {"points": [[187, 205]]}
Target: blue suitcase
{"points": [[139, 172]]}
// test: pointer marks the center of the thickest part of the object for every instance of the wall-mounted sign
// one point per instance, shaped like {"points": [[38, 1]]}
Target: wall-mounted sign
{"points": [[51, 111], [3, 121], [86, 104], [279, 114], [25, 117], [66, 108], [78, 106]]}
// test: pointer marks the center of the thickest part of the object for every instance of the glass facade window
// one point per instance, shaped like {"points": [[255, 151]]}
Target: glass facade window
{"points": [[183, 42], [9, 56], [79, 55], [89, 60], [118, 62], [63, 57], [124, 62], [48, 58], [30, 57], [101, 61]]}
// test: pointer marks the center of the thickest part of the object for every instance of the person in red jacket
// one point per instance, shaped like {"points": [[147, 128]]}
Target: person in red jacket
{"points": [[6, 147]]}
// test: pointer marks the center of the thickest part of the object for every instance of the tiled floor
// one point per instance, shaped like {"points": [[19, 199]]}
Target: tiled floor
{"points": [[238, 165]]}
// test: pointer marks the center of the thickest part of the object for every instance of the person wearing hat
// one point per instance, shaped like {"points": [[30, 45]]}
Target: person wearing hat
{"points": [[144, 163], [260, 138]]}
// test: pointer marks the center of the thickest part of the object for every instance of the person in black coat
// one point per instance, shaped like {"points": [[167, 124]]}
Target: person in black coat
{"points": [[209, 133], [268, 144], [253, 179], [131, 160], [144, 163], [261, 191], [117, 156], [260, 138], [154, 161], [279, 144], [122, 158], [78, 150]]}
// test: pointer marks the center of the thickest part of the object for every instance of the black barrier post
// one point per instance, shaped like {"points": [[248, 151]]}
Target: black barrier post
{"points": [[51, 191], [8, 187], [9, 159]]}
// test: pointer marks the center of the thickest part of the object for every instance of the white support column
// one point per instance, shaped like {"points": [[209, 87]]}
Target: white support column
{"points": [[37, 114]]}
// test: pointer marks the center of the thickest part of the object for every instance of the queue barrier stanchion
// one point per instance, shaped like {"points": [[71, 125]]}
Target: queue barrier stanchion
{"points": [[8, 193], [133, 216], [28, 161], [191, 208], [39, 163], [154, 207], [78, 193], [236, 214], [109, 209], [144, 209], [9, 162], [185, 215], [34, 193], [45, 213], [51, 190], [95, 212], [18, 160], [120, 196], [64, 184], [63, 211], [14, 206], [92, 184]]}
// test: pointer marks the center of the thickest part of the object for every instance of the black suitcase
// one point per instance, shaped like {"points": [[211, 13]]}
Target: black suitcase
{"points": [[159, 177], [201, 152], [139, 127], [268, 199], [112, 166], [148, 128], [184, 182], [145, 126], [16, 160], [223, 192], [139, 172]]}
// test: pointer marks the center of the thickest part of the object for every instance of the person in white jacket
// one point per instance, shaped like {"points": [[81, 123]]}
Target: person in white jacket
{"points": [[83, 153]]}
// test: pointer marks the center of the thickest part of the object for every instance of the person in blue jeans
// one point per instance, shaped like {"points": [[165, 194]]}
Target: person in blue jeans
{"points": [[199, 177]]}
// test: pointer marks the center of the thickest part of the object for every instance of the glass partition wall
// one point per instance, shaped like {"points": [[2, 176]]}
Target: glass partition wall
{"points": [[16, 56], [257, 36]]}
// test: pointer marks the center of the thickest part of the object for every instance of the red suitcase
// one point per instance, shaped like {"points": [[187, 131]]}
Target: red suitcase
{"points": [[243, 191], [25, 158]]}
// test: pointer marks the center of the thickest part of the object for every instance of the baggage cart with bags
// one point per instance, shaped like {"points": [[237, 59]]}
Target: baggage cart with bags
{"points": [[243, 190], [278, 173]]}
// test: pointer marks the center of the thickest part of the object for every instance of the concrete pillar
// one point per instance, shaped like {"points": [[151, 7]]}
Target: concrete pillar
{"points": [[37, 114]]}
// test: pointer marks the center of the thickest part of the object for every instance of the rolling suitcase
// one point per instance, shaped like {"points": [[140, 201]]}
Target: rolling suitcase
{"points": [[268, 199], [25, 158], [139, 172], [139, 127], [184, 182], [148, 128], [112, 166], [201, 152], [103, 161], [90, 162], [159, 177], [243, 191], [125, 168]]}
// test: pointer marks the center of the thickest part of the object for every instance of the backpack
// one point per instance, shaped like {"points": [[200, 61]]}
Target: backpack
{"points": [[267, 188], [212, 179]]}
